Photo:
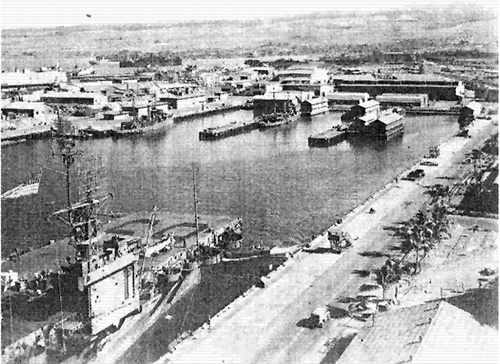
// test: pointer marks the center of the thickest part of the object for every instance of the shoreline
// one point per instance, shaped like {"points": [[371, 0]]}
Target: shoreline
{"points": [[12, 137]]}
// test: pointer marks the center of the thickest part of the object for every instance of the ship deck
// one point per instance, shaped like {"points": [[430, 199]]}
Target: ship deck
{"points": [[51, 257]]}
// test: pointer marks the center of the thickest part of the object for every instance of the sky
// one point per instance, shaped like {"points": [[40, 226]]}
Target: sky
{"points": [[48, 13]]}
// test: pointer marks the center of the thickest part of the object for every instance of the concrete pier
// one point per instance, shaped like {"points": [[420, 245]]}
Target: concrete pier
{"points": [[261, 326]]}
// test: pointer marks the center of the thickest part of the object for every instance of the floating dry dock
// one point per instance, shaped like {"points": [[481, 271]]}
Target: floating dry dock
{"points": [[327, 138], [228, 130]]}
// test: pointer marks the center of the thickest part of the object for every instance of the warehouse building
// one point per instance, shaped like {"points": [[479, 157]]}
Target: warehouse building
{"points": [[386, 126], [180, 95], [366, 111], [81, 98], [301, 74], [32, 79], [28, 109], [435, 88], [404, 100], [345, 100], [316, 88]]}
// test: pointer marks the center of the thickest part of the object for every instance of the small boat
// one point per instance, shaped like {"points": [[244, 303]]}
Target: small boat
{"points": [[244, 253]]}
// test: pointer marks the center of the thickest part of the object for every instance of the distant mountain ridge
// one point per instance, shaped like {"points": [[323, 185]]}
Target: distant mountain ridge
{"points": [[469, 27]]}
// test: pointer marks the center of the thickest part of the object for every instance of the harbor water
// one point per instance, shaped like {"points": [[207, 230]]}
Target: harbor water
{"points": [[284, 191]]}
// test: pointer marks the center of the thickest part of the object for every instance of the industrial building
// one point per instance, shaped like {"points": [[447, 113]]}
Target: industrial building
{"points": [[433, 332], [436, 89], [180, 95], [304, 74], [369, 110], [318, 89], [184, 101], [29, 109], [81, 98], [279, 102], [32, 79], [403, 100], [261, 88], [385, 126], [343, 100], [239, 88]]}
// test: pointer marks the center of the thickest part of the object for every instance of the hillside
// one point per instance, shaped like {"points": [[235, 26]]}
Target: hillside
{"points": [[327, 34]]}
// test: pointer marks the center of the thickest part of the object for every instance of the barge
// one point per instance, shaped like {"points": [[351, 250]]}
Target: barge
{"points": [[329, 137], [228, 130]]}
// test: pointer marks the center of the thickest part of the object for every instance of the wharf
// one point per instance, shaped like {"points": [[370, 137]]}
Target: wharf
{"points": [[52, 256], [191, 114], [89, 128], [327, 138], [437, 108], [37, 132], [262, 325], [228, 130]]}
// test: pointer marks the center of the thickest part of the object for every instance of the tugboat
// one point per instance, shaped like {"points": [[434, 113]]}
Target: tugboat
{"points": [[278, 118], [156, 121]]}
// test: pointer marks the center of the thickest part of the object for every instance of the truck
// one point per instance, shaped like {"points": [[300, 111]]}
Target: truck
{"points": [[339, 241]]}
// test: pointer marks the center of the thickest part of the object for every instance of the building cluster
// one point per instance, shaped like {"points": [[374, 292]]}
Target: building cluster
{"points": [[306, 88], [368, 118]]}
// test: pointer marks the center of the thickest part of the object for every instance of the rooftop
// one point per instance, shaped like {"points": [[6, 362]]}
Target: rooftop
{"points": [[433, 332], [474, 105], [347, 95], [368, 104], [389, 118], [23, 105], [83, 95], [316, 100]]}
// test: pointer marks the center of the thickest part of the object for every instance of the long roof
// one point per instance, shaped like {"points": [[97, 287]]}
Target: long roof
{"points": [[23, 105], [400, 98], [433, 332], [82, 95], [347, 95]]}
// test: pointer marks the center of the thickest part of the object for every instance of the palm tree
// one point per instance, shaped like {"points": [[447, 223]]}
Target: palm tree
{"points": [[388, 274]]}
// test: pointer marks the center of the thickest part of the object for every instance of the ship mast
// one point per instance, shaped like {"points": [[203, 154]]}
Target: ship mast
{"points": [[67, 154], [82, 214], [195, 206]]}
